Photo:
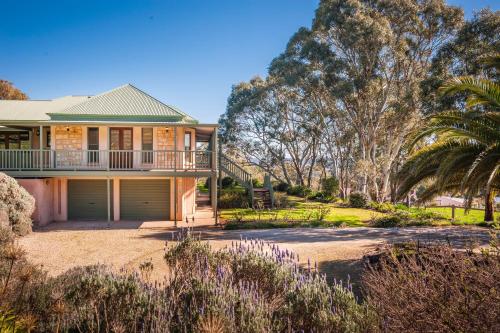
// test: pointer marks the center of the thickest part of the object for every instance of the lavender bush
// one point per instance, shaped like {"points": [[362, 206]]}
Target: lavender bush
{"points": [[285, 297], [251, 286]]}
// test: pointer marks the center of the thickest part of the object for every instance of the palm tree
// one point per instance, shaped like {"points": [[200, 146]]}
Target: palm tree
{"points": [[464, 155]]}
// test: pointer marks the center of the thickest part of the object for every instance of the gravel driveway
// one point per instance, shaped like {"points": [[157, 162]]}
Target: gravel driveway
{"points": [[61, 246]]}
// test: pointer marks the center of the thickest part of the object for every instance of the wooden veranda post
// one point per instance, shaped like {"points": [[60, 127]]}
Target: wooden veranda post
{"points": [[40, 144], [175, 176], [218, 159], [213, 175]]}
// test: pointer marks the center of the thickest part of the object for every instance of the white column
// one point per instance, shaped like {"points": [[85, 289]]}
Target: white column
{"points": [[116, 199], [108, 189]]}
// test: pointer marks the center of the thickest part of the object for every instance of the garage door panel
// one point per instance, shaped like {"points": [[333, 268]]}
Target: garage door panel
{"points": [[147, 199], [87, 200]]}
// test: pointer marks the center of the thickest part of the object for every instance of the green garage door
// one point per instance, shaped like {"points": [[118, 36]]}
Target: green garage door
{"points": [[87, 199], [145, 199]]}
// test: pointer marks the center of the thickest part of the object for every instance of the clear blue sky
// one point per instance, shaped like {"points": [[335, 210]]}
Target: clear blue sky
{"points": [[186, 53]]}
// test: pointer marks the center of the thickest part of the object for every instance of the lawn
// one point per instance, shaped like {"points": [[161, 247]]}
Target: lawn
{"points": [[473, 216], [302, 214]]}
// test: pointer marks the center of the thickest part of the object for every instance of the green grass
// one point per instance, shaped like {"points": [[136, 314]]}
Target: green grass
{"points": [[301, 214], [472, 217]]}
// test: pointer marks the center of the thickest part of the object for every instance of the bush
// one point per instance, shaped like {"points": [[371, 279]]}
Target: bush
{"points": [[434, 288], [284, 298], [422, 214], [358, 200], [250, 287], [383, 207], [330, 186], [227, 182], [390, 221], [257, 183], [328, 199], [281, 187], [23, 286], [18, 204], [315, 195], [299, 190], [281, 200], [233, 199], [407, 218], [400, 206], [321, 212]]}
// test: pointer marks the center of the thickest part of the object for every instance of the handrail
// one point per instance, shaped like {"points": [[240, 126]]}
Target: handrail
{"points": [[229, 167], [31, 159]]}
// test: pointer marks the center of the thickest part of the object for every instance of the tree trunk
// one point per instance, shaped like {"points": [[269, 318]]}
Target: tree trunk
{"points": [[488, 206]]}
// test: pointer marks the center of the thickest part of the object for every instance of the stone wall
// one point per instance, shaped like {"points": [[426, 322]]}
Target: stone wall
{"points": [[68, 138], [165, 138], [165, 141]]}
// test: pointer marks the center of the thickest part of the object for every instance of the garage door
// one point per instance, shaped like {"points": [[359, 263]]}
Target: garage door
{"points": [[87, 199], [147, 199]]}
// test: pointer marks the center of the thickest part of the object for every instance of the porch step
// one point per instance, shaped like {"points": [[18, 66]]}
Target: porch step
{"points": [[263, 195], [202, 199]]}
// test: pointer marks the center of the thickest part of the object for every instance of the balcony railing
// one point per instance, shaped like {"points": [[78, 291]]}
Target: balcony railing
{"points": [[34, 159]]}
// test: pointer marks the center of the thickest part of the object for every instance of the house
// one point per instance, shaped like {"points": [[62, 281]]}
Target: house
{"points": [[119, 155], [447, 201]]}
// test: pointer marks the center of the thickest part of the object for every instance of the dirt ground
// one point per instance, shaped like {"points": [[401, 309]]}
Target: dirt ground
{"points": [[61, 246]]}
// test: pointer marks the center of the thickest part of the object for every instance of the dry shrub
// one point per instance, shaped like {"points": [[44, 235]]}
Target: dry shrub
{"points": [[22, 284], [17, 203], [435, 289], [281, 200]]}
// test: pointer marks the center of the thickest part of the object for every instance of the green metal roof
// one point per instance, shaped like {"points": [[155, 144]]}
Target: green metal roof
{"points": [[36, 110], [125, 104]]}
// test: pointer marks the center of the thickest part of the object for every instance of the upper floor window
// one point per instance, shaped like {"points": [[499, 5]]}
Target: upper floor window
{"points": [[93, 144], [187, 146], [187, 141], [93, 138]]}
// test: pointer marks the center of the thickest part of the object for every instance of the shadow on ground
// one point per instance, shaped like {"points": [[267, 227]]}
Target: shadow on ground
{"points": [[93, 225], [459, 237], [345, 272]]}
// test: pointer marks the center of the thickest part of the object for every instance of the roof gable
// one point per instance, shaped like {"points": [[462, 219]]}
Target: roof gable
{"points": [[126, 103]]}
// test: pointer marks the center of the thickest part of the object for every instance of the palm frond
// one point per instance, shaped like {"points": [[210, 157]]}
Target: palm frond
{"points": [[483, 91]]}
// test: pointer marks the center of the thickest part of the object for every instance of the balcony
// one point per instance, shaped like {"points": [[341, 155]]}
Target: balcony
{"points": [[105, 160]]}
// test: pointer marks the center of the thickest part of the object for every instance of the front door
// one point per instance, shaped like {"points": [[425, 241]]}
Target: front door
{"points": [[121, 155]]}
